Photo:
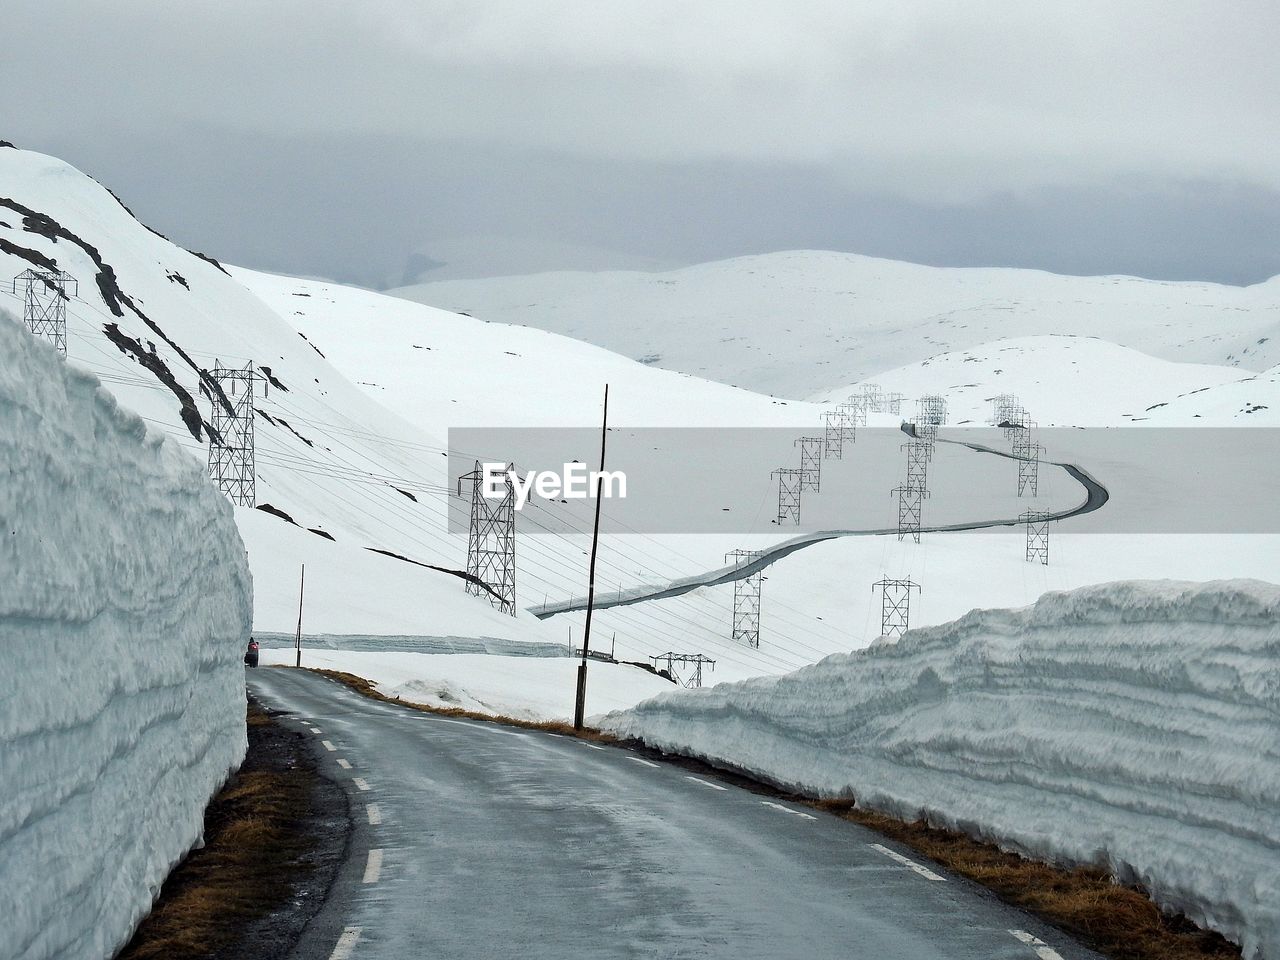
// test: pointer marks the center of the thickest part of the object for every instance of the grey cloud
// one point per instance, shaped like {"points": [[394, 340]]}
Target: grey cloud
{"points": [[343, 140]]}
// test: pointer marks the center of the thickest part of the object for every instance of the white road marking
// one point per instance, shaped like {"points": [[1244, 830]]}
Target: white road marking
{"points": [[344, 763], [315, 729], [361, 783], [647, 763], [778, 806], [716, 786], [375, 814], [1043, 950], [373, 867], [593, 746], [328, 745], [346, 943], [461, 723], [908, 862]]}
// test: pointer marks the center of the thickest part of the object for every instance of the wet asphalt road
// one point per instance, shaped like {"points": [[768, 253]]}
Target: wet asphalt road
{"points": [[475, 840]]}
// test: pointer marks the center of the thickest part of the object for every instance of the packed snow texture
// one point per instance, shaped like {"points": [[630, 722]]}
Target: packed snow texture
{"points": [[1131, 724], [125, 607]]}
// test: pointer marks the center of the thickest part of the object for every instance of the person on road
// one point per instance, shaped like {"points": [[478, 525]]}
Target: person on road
{"points": [[251, 655]]}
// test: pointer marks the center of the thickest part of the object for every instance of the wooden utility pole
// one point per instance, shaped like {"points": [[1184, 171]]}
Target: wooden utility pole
{"points": [[580, 704], [297, 637]]}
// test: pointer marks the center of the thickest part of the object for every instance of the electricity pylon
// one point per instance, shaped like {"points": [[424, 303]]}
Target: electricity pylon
{"points": [[44, 303], [491, 541], [895, 606], [746, 599], [232, 464]]}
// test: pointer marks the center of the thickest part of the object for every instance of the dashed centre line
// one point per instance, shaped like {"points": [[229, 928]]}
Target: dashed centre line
{"points": [[1043, 950], [328, 745], [361, 783], [647, 763], [593, 746], [716, 786], [346, 943], [374, 813], [344, 763], [908, 862], [373, 867], [794, 813], [315, 729]]}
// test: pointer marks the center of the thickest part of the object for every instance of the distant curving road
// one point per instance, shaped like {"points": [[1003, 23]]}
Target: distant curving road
{"points": [[475, 840], [1095, 498]]}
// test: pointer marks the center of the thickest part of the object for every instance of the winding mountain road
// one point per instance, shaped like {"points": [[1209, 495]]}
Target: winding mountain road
{"points": [[478, 840], [1095, 498]]}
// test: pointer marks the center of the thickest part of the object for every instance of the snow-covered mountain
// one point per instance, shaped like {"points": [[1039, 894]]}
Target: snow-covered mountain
{"points": [[801, 323], [342, 475], [351, 477], [1078, 382], [362, 389], [351, 436]]}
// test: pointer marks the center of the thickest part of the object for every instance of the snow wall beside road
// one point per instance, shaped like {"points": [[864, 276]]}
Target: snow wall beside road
{"points": [[125, 603], [1132, 724]]}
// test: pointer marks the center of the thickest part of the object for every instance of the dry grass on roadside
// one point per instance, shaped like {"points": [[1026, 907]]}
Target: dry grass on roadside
{"points": [[250, 853], [1118, 921], [363, 686]]}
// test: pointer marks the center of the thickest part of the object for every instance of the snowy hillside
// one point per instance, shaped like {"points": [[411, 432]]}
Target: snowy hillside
{"points": [[1131, 725], [341, 474], [800, 323], [352, 436], [124, 617], [1067, 382]]}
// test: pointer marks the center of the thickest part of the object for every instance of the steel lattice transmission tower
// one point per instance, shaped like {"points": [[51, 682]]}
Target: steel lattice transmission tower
{"points": [[871, 396], [893, 403], [917, 464], [789, 487], [810, 462], [491, 541], [895, 605], [1037, 524], [1002, 408], [746, 599], [855, 408], [1021, 431], [44, 303], [833, 435], [232, 465], [911, 495], [1017, 423], [697, 659], [910, 509], [932, 410], [931, 413], [1029, 469]]}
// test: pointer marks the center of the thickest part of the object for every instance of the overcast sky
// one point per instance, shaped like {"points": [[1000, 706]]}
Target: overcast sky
{"points": [[369, 141]]}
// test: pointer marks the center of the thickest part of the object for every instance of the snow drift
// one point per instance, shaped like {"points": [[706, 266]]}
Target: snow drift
{"points": [[1131, 724], [126, 599]]}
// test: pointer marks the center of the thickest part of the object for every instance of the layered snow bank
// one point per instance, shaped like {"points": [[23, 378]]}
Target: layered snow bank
{"points": [[124, 603], [1132, 724]]}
